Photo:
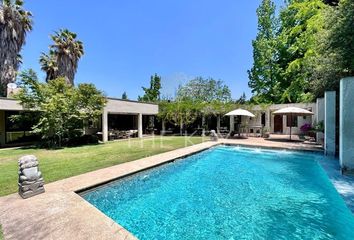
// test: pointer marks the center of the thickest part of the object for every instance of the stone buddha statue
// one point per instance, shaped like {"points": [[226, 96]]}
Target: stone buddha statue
{"points": [[30, 179]]}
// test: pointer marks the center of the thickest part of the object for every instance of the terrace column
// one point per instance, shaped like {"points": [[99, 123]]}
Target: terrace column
{"points": [[319, 117], [163, 127], [218, 124], [203, 126], [140, 125], [105, 126], [330, 123], [268, 119], [346, 126], [232, 123]]}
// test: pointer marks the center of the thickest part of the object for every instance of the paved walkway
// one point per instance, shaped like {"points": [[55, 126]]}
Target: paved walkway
{"points": [[60, 213]]}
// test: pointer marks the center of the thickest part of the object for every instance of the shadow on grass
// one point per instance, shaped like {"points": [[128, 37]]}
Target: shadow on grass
{"points": [[40, 147]]}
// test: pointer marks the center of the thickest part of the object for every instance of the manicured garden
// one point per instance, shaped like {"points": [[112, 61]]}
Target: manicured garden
{"points": [[67, 162]]}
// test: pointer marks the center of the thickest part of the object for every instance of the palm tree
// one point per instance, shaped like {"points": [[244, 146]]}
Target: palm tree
{"points": [[15, 22], [67, 51], [49, 65]]}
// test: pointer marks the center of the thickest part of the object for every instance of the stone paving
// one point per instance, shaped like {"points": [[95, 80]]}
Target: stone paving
{"points": [[60, 213]]}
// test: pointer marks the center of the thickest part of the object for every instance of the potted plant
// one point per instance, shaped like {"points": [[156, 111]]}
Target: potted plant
{"points": [[306, 128], [318, 128], [265, 132]]}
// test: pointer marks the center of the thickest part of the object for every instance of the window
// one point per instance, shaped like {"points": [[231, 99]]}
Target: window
{"points": [[20, 130], [292, 121], [263, 119]]}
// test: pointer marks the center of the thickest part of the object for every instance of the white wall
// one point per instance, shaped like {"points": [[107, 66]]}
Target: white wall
{"points": [[320, 117], [257, 110], [346, 124], [10, 104], [330, 123], [126, 106]]}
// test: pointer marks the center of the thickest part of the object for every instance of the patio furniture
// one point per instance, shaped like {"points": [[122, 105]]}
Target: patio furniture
{"points": [[255, 130], [293, 111], [240, 112], [169, 131], [131, 133], [112, 135]]}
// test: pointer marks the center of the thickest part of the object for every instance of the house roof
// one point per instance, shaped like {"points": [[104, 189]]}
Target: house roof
{"points": [[114, 105]]}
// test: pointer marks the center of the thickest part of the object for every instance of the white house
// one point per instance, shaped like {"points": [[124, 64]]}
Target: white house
{"points": [[264, 117], [118, 115]]}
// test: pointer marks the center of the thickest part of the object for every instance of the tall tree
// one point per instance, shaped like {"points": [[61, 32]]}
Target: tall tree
{"points": [[63, 57], [242, 99], [15, 23], [300, 21], [204, 90], [124, 95], [152, 93], [283, 51], [262, 76], [335, 48], [49, 65]]}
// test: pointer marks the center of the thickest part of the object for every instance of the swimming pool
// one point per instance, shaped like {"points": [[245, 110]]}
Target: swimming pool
{"points": [[229, 193]]}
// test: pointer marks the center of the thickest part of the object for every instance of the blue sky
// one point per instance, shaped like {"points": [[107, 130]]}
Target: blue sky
{"points": [[127, 41]]}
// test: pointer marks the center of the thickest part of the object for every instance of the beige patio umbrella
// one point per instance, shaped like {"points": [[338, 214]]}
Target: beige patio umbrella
{"points": [[292, 111], [240, 112]]}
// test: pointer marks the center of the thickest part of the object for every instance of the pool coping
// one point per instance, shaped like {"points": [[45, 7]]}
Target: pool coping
{"points": [[14, 211]]}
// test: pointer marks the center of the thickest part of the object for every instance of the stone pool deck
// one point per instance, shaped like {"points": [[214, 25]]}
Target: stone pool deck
{"points": [[60, 213]]}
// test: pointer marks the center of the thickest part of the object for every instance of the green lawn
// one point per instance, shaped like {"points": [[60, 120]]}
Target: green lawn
{"points": [[67, 162], [1, 234]]}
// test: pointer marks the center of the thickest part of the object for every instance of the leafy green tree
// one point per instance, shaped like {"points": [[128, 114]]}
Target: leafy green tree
{"points": [[15, 23], [152, 94], [179, 113], [263, 74], [124, 95], [300, 21], [198, 98], [63, 57], [284, 51], [335, 48], [242, 99], [204, 90], [62, 108]]}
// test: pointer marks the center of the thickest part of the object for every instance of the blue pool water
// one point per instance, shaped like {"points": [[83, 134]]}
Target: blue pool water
{"points": [[229, 193]]}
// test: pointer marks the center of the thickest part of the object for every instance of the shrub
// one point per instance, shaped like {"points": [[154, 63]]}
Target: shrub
{"points": [[306, 128]]}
